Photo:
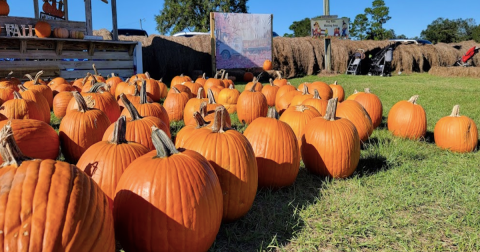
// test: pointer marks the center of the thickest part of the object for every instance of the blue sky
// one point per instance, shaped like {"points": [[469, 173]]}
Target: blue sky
{"points": [[409, 17]]}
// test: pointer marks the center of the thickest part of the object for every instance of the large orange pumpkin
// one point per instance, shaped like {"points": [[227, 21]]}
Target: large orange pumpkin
{"points": [[233, 159], [19, 108], [175, 104], [456, 133], [50, 205], [39, 99], [372, 105], [355, 112], [317, 102], [297, 117], [251, 104], [276, 150], [168, 200], [81, 128], [106, 161], [43, 29], [331, 146], [60, 103], [407, 119]]}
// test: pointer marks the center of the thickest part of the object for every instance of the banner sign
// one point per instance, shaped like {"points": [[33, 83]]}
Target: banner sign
{"points": [[242, 40], [330, 27]]}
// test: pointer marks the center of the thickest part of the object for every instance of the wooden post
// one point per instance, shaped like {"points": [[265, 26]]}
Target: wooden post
{"points": [[271, 45], [212, 42], [36, 9], [65, 7], [88, 17], [114, 20], [326, 7], [138, 57]]}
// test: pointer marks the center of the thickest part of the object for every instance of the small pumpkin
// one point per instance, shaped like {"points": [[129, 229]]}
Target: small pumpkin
{"points": [[60, 32], [228, 97], [270, 92], [248, 76], [279, 81], [456, 133], [175, 104], [251, 104], [338, 91], [4, 8], [267, 65], [76, 35], [407, 119]]}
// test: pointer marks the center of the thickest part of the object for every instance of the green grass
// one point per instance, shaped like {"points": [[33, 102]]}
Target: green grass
{"points": [[404, 196]]}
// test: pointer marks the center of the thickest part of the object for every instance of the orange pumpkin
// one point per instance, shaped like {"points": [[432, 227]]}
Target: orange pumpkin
{"points": [[267, 65], [456, 133], [251, 104], [372, 105], [407, 119], [4, 8], [43, 29], [60, 32]]}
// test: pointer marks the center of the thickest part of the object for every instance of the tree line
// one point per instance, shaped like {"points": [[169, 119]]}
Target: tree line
{"points": [[193, 15]]}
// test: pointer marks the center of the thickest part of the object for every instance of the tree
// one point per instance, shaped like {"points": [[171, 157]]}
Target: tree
{"points": [[450, 31], [359, 27], [193, 15], [300, 28]]}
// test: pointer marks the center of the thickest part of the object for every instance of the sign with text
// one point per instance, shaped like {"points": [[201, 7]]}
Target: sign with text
{"points": [[330, 27]]}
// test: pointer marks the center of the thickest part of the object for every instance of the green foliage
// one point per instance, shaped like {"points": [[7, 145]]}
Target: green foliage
{"points": [[193, 15], [300, 28], [451, 30], [369, 25]]}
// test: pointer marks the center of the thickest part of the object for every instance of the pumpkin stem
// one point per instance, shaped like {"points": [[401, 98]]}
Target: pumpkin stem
{"points": [[95, 69], [9, 150], [252, 89], [176, 90], [82, 104], [85, 79], [367, 90], [335, 83], [143, 93], [17, 95], [29, 77], [271, 81], [231, 87], [200, 93], [37, 76], [113, 75], [119, 131], [456, 111], [98, 87], [9, 75], [301, 108], [223, 74], [131, 109], [216, 75], [331, 109], [226, 76], [211, 97], [147, 75], [413, 99], [164, 146], [279, 75], [305, 90], [272, 113], [288, 83], [203, 109], [199, 120], [219, 121], [316, 95], [22, 88]]}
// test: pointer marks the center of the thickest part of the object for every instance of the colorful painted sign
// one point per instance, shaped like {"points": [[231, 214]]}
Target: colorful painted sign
{"points": [[242, 40], [330, 27]]}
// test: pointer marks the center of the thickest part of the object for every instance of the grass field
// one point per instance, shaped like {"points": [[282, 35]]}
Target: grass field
{"points": [[404, 196]]}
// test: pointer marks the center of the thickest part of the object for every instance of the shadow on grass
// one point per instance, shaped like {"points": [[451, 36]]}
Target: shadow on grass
{"points": [[383, 124], [371, 165], [273, 219], [429, 138]]}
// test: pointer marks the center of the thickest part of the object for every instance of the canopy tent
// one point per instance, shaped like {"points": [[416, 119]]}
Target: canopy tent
{"points": [[88, 15]]}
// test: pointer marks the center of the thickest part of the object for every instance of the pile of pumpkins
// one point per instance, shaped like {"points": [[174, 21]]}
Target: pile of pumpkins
{"points": [[125, 178]]}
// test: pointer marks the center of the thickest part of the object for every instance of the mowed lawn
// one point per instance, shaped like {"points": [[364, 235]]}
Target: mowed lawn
{"points": [[404, 196]]}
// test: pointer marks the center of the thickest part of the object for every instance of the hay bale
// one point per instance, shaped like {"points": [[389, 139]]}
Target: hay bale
{"points": [[473, 72], [106, 35]]}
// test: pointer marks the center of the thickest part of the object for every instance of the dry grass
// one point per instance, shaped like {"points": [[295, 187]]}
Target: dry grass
{"points": [[455, 71], [167, 56]]}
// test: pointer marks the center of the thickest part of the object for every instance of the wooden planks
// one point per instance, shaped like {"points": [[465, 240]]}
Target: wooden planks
{"points": [[68, 58]]}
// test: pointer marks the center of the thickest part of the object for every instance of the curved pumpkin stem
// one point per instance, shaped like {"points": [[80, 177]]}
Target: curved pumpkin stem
{"points": [[94, 69], [9, 75], [272, 113], [147, 74], [86, 78], [29, 77], [119, 131], [143, 93], [164, 146], [367, 90], [17, 95], [288, 83], [279, 75], [335, 83], [301, 108], [22, 88], [226, 76], [9, 150], [131, 109], [271, 82], [203, 109], [316, 95], [456, 111], [331, 109], [176, 90], [97, 87], [37, 76], [413, 99], [211, 97], [223, 74], [200, 93], [199, 120], [252, 89], [231, 87], [82, 104]]}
